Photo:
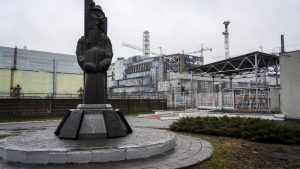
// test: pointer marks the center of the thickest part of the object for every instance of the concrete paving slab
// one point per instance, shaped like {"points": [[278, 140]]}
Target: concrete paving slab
{"points": [[163, 161], [57, 157], [79, 157], [40, 157], [180, 153], [100, 155]]}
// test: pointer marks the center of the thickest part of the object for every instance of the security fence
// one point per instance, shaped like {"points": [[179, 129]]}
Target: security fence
{"points": [[144, 95], [250, 99], [78, 95], [39, 107], [40, 96]]}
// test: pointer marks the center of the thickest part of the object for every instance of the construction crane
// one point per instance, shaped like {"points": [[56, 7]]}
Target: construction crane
{"points": [[137, 48], [201, 51]]}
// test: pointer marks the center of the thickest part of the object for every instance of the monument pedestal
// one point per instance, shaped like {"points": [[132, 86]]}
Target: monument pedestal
{"points": [[93, 121]]}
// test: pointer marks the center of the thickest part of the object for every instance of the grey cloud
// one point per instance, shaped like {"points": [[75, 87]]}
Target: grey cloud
{"points": [[174, 24]]}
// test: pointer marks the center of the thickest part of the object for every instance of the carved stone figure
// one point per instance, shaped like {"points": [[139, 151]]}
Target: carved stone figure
{"points": [[94, 54], [94, 118]]}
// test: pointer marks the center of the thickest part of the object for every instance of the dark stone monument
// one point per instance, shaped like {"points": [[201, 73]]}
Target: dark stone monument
{"points": [[94, 118]]}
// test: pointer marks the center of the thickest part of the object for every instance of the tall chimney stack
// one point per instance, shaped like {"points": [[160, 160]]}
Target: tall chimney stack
{"points": [[282, 44]]}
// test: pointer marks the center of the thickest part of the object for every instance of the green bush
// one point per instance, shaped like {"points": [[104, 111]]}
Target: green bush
{"points": [[257, 130]]}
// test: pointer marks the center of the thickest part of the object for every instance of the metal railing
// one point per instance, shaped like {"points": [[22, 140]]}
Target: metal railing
{"points": [[137, 96], [5, 95]]}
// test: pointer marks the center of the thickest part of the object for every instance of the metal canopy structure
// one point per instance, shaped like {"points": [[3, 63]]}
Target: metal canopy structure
{"points": [[255, 63]]}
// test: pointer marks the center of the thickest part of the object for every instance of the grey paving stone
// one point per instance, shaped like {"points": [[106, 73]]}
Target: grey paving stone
{"points": [[117, 154], [196, 146], [40, 157], [57, 157], [181, 154], [154, 150], [206, 144], [15, 156], [3, 153], [79, 157], [162, 166], [100, 155], [138, 152]]}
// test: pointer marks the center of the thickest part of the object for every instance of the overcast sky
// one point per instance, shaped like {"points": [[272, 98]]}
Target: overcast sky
{"points": [[176, 25]]}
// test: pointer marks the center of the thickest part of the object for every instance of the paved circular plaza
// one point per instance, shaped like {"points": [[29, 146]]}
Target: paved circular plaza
{"points": [[187, 152], [43, 147]]}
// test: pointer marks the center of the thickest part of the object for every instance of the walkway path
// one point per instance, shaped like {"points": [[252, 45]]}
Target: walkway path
{"points": [[188, 152]]}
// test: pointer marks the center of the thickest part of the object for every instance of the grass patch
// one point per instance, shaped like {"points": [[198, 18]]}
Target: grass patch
{"points": [[239, 153], [31, 118], [257, 130]]}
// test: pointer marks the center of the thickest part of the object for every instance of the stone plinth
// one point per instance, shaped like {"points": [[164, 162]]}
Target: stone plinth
{"points": [[93, 121], [42, 147]]}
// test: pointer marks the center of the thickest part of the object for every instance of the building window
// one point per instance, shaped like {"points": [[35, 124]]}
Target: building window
{"points": [[206, 85]]}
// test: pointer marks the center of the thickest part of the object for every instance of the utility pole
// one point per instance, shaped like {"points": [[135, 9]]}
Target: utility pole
{"points": [[13, 69], [192, 90], [54, 78]]}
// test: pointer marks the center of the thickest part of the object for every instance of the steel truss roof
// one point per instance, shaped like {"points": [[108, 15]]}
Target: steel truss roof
{"points": [[240, 66], [172, 61]]}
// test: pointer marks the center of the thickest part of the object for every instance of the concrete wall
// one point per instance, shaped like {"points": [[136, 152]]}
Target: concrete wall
{"points": [[68, 83], [275, 102], [4, 80], [33, 82], [38, 107], [40, 82], [290, 84]]}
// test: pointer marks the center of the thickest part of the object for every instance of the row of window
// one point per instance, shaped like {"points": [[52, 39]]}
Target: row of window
{"points": [[139, 68]]}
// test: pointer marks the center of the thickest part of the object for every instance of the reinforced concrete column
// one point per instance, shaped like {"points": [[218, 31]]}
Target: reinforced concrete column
{"points": [[54, 78], [256, 82], [220, 99]]}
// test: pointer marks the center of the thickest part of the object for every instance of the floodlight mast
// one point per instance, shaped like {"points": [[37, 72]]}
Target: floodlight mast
{"points": [[226, 43]]}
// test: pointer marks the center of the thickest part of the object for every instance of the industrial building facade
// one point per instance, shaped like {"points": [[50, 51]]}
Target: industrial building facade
{"points": [[290, 85], [39, 73], [45, 74], [168, 76]]}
